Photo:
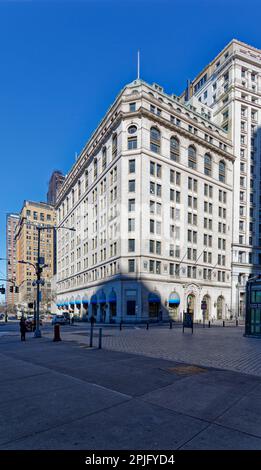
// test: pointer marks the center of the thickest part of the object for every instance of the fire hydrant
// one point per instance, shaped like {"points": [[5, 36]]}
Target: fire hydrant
{"points": [[57, 336]]}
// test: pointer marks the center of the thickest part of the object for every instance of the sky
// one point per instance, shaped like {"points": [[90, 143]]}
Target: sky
{"points": [[63, 63]]}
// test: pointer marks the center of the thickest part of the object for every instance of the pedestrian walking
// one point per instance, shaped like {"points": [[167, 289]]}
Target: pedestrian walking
{"points": [[92, 320], [22, 328]]}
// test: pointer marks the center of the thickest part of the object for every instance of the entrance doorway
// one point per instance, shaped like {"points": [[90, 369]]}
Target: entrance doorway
{"points": [[206, 299], [220, 307], [154, 305], [191, 304]]}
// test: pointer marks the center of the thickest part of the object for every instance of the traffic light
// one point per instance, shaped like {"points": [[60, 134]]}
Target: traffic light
{"points": [[11, 288], [2, 290], [16, 290]]}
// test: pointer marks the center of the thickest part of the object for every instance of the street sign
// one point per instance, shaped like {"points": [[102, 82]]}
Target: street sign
{"points": [[41, 260]]}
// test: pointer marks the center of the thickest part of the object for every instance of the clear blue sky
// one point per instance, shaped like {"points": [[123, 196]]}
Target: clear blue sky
{"points": [[63, 63]]}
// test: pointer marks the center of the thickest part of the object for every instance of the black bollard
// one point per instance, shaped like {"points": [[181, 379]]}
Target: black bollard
{"points": [[236, 322], [223, 323], [100, 338], [209, 324], [170, 325], [91, 336], [57, 336], [147, 325], [120, 325]]}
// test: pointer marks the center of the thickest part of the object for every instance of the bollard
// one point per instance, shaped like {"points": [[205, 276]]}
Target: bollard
{"points": [[209, 324], [120, 325], [91, 336], [223, 323], [236, 322], [57, 336], [170, 325], [147, 325], [100, 338]]}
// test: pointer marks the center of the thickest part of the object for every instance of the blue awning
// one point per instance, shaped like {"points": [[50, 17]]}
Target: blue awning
{"points": [[78, 302], [65, 304], [112, 298], [154, 298], [94, 299], [85, 300], [102, 298], [71, 302], [174, 299]]}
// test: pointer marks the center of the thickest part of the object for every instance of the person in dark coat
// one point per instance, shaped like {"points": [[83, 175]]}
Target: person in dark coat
{"points": [[92, 320], [22, 328]]}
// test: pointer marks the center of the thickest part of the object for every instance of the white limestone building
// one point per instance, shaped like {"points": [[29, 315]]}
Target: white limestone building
{"points": [[231, 86], [150, 197]]}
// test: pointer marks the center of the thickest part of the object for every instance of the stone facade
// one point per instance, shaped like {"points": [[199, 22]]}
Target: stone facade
{"points": [[150, 197]]}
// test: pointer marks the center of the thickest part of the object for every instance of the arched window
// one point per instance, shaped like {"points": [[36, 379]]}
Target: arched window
{"points": [[207, 164], [95, 167], [192, 157], [154, 140], [86, 176], [104, 158], [114, 145], [222, 171], [174, 149]]}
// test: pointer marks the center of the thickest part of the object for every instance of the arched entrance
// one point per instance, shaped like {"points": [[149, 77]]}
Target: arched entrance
{"points": [[102, 302], [206, 299], [220, 307], [71, 305], [174, 302], [112, 301], [154, 305], [85, 306], [191, 301], [78, 304], [94, 304]]}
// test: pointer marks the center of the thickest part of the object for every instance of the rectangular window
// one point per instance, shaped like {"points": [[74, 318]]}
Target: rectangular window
{"points": [[131, 186], [132, 107], [132, 143], [131, 263], [131, 307], [131, 244], [131, 166], [131, 205], [131, 225]]}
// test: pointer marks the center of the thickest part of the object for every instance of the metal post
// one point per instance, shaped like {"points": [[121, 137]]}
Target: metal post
{"points": [[223, 323], [170, 325], [147, 325], [120, 325], [100, 338], [209, 324], [91, 336], [37, 333], [236, 322]]}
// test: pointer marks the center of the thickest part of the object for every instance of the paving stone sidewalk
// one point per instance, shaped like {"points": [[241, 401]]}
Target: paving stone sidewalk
{"points": [[67, 396]]}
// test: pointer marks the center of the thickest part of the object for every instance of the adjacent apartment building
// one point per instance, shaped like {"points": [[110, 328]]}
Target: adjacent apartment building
{"points": [[11, 223], [55, 184], [231, 87], [34, 214], [150, 197]]}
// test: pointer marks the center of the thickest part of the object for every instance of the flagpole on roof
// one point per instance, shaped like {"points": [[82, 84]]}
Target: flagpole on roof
{"points": [[138, 65]]}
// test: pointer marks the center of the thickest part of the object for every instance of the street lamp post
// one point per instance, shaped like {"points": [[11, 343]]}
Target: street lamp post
{"points": [[38, 270], [39, 281]]}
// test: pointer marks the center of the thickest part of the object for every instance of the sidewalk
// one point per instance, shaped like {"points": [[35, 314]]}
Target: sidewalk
{"points": [[68, 396]]}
